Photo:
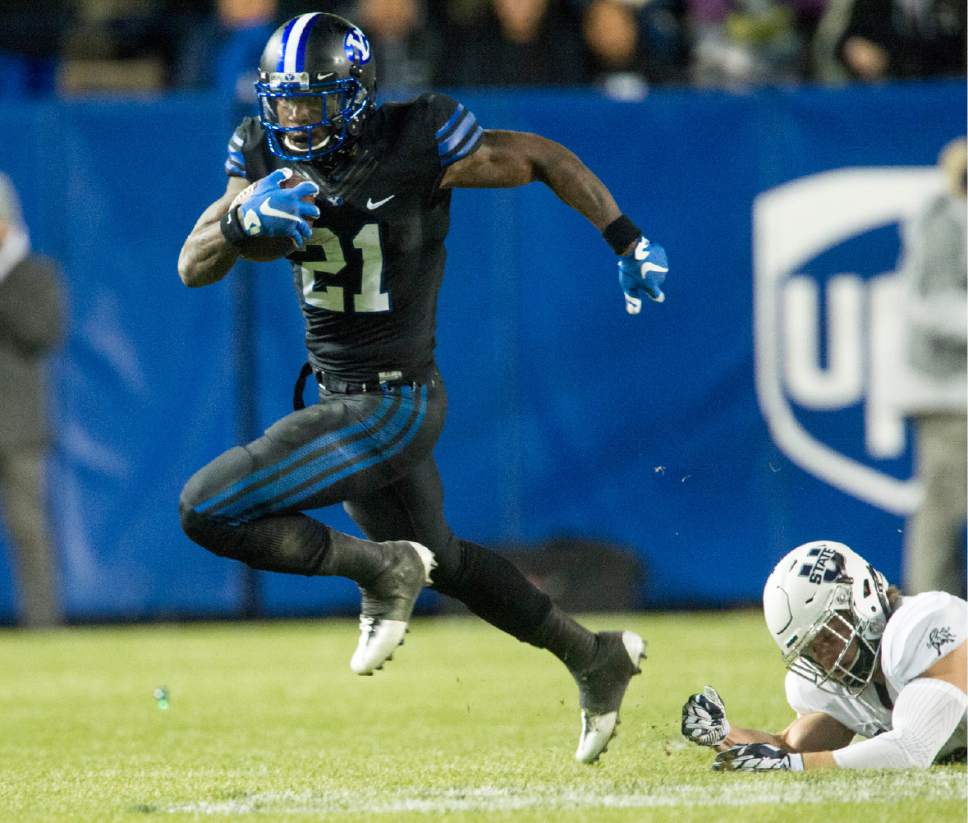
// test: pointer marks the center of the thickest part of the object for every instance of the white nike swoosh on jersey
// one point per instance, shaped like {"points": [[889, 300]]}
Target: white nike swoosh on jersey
{"points": [[268, 211], [371, 205]]}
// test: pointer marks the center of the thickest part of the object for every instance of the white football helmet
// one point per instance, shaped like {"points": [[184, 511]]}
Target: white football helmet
{"points": [[825, 592]]}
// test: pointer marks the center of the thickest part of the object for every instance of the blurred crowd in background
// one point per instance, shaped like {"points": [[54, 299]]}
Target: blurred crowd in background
{"points": [[70, 47]]}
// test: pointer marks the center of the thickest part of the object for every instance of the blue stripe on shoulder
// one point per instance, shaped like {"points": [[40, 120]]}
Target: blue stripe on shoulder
{"points": [[235, 162], [466, 149], [445, 147], [453, 119]]}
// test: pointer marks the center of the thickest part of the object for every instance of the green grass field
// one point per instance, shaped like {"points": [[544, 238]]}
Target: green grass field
{"points": [[266, 721]]}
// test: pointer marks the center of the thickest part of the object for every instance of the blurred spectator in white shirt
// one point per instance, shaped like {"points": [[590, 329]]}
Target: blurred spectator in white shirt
{"points": [[933, 269]]}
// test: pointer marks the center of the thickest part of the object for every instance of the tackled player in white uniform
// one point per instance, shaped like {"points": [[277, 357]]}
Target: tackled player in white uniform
{"points": [[862, 660]]}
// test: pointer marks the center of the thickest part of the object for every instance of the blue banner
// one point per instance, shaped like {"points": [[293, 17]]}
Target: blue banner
{"points": [[710, 433]]}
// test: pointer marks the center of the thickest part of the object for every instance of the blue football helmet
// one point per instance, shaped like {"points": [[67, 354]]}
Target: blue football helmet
{"points": [[317, 84]]}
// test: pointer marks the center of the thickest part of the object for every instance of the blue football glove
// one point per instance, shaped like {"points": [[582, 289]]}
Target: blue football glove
{"points": [[643, 271], [265, 209], [757, 757], [704, 718]]}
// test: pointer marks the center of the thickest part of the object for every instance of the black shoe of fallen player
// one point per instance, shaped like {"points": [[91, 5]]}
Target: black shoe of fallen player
{"points": [[388, 603], [601, 689]]}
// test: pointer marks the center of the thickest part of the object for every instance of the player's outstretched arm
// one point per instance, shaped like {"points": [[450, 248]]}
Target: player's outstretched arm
{"points": [[925, 715], [507, 159], [512, 158], [814, 732], [206, 256], [704, 723], [805, 743]]}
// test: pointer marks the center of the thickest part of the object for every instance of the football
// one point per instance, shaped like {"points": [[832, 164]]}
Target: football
{"points": [[263, 249]]}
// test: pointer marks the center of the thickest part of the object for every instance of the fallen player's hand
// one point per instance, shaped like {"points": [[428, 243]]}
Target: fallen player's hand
{"points": [[704, 718], [642, 271], [268, 209], [757, 757]]}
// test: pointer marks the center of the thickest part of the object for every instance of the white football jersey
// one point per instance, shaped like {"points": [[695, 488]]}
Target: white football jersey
{"points": [[923, 629]]}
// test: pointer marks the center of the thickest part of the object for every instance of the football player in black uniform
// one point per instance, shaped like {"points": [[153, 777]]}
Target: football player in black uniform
{"points": [[364, 231]]}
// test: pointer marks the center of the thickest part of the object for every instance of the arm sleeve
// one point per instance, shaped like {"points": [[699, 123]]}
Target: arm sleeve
{"points": [[926, 714]]}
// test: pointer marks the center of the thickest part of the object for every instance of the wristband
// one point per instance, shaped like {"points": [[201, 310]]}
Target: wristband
{"points": [[796, 762], [621, 233], [231, 228]]}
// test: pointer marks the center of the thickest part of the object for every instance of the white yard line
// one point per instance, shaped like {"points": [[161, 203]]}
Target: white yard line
{"points": [[931, 786]]}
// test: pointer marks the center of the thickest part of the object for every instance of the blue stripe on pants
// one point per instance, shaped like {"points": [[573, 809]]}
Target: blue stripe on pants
{"points": [[285, 485], [320, 442], [377, 454]]}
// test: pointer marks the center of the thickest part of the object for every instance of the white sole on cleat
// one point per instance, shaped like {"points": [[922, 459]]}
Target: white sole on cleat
{"points": [[598, 729], [377, 644]]}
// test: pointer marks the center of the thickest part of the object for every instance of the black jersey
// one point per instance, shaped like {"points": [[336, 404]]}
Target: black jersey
{"points": [[368, 277]]}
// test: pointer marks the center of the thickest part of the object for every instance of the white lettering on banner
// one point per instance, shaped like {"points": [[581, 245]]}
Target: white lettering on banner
{"points": [[883, 419], [792, 225], [842, 382]]}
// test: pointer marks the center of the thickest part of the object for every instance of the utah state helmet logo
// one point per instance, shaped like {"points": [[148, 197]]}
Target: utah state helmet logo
{"points": [[826, 566]]}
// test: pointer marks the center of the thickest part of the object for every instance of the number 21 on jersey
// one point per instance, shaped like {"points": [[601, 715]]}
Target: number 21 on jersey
{"points": [[335, 298]]}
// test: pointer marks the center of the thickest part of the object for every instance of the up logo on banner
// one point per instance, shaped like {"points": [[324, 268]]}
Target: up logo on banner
{"points": [[827, 324]]}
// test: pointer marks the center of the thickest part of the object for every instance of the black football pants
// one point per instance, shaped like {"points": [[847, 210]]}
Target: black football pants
{"points": [[373, 452]]}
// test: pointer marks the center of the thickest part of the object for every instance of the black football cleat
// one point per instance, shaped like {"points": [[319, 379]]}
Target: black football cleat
{"points": [[388, 603], [601, 689]]}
